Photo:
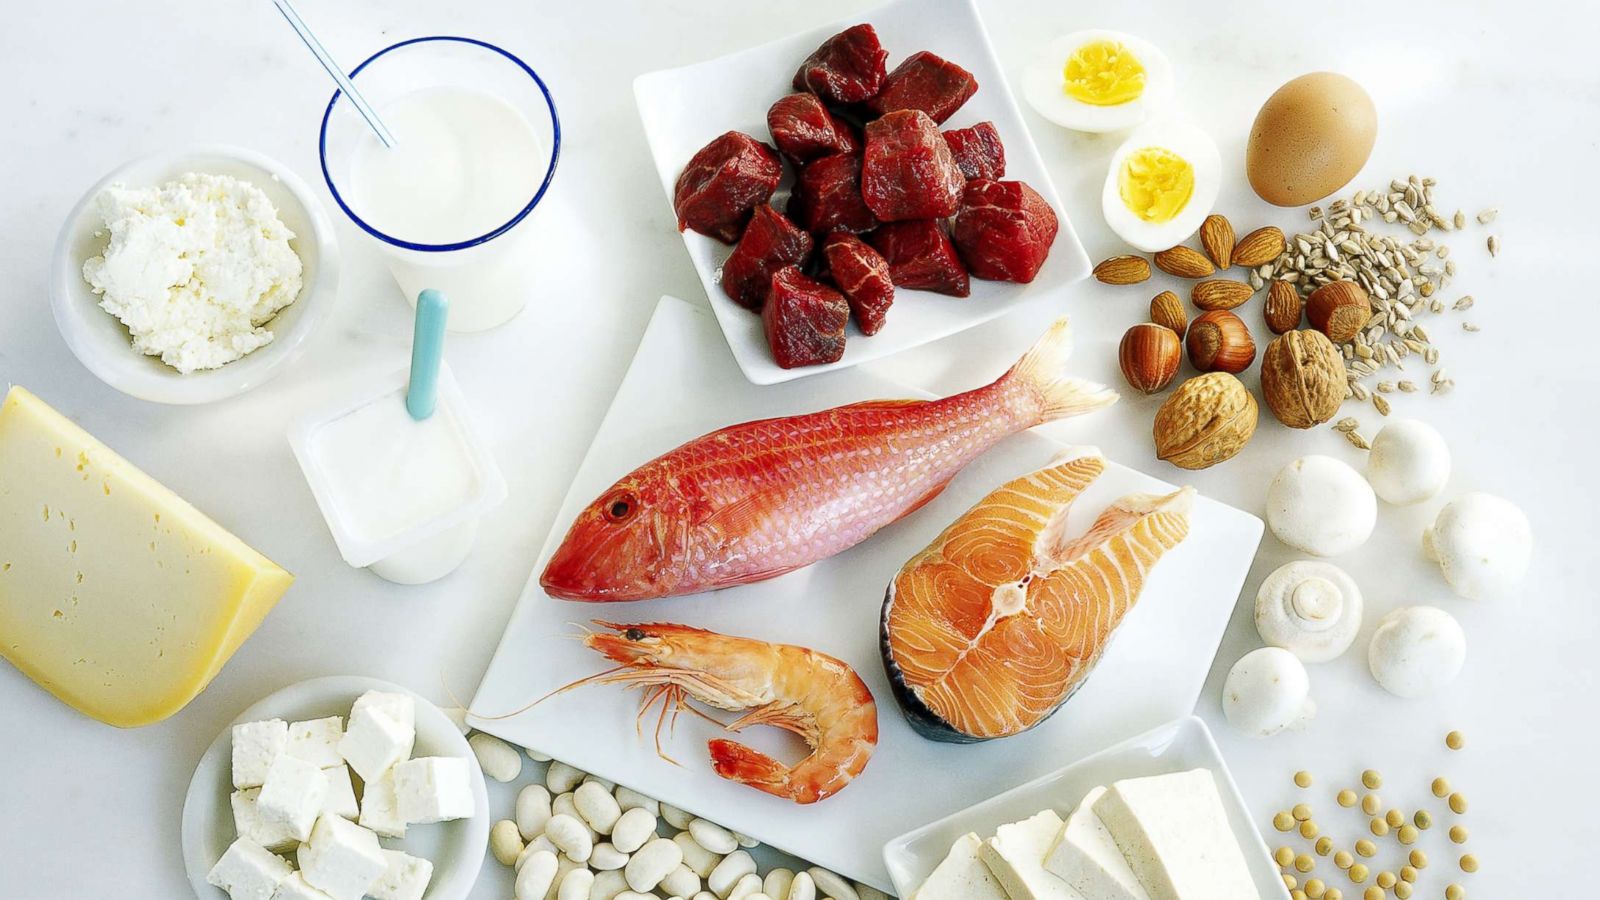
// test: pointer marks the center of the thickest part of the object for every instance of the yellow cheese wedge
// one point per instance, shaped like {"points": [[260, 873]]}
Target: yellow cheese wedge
{"points": [[115, 595]]}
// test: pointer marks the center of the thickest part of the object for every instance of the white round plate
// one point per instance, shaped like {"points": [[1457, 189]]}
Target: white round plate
{"points": [[455, 848]]}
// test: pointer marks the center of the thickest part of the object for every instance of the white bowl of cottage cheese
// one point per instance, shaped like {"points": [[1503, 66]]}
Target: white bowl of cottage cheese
{"points": [[193, 275]]}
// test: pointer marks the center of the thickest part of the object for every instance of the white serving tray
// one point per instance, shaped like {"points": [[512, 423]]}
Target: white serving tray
{"points": [[680, 386], [683, 109], [1174, 747]]}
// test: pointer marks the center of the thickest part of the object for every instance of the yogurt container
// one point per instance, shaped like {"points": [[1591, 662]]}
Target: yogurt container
{"points": [[401, 497]]}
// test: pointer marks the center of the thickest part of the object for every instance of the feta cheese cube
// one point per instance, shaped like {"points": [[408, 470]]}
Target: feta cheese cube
{"points": [[406, 878], [249, 871], [401, 707], [295, 887], [255, 746], [341, 800], [374, 742], [434, 789], [380, 810], [342, 858], [317, 741], [1016, 857], [247, 823], [292, 796]]}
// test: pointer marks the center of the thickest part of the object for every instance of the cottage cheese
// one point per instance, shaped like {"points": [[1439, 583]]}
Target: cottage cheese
{"points": [[195, 268]]}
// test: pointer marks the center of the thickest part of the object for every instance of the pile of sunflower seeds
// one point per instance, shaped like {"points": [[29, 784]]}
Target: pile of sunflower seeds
{"points": [[1404, 279]]}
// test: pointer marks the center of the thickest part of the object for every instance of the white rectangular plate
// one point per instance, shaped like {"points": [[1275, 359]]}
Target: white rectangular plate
{"points": [[679, 387], [1175, 747], [684, 108]]}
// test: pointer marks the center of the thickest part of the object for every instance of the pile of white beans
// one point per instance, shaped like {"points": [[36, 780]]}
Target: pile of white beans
{"points": [[578, 837]]}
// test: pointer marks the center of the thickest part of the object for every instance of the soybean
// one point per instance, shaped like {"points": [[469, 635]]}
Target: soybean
{"points": [[1366, 848], [1424, 819], [1455, 892], [1343, 859], [1302, 779], [1284, 857], [1458, 803], [1454, 740], [1379, 827], [1309, 829], [1372, 779], [1304, 863], [1324, 845], [1347, 798], [1283, 821], [1373, 893], [1395, 818], [1358, 872], [1458, 834], [1301, 812], [1441, 787], [1418, 859], [1469, 863], [1407, 834], [1371, 804]]}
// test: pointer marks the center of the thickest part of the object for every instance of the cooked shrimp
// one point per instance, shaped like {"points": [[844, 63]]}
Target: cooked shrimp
{"points": [[811, 694]]}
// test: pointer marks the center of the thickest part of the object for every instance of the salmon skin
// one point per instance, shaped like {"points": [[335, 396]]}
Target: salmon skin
{"points": [[756, 500], [988, 631]]}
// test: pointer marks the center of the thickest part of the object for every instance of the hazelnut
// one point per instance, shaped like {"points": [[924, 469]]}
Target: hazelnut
{"points": [[1206, 420], [1283, 307], [1303, 378], [1339, 309], [1167, 309], [1219, 341], [1150, 355]]}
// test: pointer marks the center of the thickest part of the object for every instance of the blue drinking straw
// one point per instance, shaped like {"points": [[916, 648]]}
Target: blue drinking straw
{"points": [[427, 351], [344, 82]]}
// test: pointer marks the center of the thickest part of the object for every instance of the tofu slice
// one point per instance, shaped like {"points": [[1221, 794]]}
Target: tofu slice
{"points": [[1015, 856], [1086, 857], [1174, 833], [961, 876]]}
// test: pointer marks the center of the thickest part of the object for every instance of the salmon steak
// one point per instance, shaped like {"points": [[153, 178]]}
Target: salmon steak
{"points": [[994, 626]]}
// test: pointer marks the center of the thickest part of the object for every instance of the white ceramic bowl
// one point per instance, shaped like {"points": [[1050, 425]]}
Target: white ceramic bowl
{"points": [[455, 848], [103, 344]]}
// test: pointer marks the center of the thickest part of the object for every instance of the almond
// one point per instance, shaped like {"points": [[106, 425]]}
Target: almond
{"points": [[1184, 263], [1220, 293], [1123, 270], [1283, 307], [1216, 235], [1166, 310], [1259, 247]]}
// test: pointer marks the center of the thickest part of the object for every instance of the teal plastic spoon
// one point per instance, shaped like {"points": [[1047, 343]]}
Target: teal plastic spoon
{"points": [[427, 350]]}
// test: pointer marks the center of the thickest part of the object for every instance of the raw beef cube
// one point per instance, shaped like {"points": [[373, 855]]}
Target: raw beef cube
{"points": [[921, 257], [862, 275], [978, 151], [804, 319], [827, 197], [769, 243], [927, 82], [1004, 230], [722, 183], [908, 171], [847, 68], [803, 129]]}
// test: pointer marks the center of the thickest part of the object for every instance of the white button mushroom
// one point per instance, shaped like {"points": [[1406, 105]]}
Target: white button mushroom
{"points": [[1416, 650], [1310, 608], [1321, 506], [1267, 691], [1483, 544], [1409, 462]]}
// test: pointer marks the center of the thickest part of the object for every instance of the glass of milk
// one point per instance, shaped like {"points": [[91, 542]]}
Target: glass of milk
{"points": [[477, 138]]}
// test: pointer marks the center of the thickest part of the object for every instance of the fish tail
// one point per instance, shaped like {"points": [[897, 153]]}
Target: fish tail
{"points": [[1039, 373]]}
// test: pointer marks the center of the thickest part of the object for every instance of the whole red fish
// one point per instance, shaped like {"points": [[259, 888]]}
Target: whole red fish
{"points": [[756, 500]]}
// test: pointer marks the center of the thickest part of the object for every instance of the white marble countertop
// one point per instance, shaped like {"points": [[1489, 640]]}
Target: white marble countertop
{"points": [[1499, 104]]}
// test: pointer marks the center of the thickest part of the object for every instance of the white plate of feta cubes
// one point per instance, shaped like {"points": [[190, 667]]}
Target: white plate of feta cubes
{"points": [[455, 848], [1180, 746]]}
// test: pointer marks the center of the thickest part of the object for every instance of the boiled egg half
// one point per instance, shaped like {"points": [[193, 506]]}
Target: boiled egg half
{"points": [[1162, 184], [1098, 81]]}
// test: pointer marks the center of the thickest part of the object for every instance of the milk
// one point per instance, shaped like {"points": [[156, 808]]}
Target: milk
{"points": [[465, 163]]}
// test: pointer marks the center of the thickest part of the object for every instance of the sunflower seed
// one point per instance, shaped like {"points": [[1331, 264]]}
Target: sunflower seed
{"points": [[1468, 326], [1494, 245], [1357, 440], [1380, 404], [1348, 423], [1465, 303], [1407, 387], [1488, 215]]}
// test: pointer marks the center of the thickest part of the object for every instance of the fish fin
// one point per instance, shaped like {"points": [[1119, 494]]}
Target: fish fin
{"points": [[736, 517], [1058, 395], [746, 765], [884, 404]]}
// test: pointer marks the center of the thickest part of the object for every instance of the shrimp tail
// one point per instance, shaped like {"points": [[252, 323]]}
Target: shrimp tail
{"points": [[736, 762], [1039, 374]]}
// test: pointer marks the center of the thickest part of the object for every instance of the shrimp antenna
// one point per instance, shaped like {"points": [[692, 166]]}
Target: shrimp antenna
{"points": [[560, 690]]}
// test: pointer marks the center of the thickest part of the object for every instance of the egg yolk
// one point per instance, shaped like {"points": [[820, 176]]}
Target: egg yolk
{"points": [[1155, 183], [1103, 73]]}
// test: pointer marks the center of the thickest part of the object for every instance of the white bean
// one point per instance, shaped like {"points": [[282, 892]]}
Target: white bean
{"points": [[832, 885], [868, 892], [681, 882], [777, 883], [803, 888], [597, 806], [744, 887], [607, 857], [628, 798], [758, 895], [746, 841], [699, 860], [505, 842], [570, 835], [675, 817], [533, 882], [536, 756], [596, 779], [704, 895], [539, 842], [653, 862], [607, 885], [498, 759], [712, 836], [733, 867], [561, 778], [632, 829], [634, 895], [576, 885], [533, 810], [567, 805], [564, 866]]}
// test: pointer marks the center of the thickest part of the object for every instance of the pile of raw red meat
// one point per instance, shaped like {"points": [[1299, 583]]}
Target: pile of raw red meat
{"points": [[887, 199]]}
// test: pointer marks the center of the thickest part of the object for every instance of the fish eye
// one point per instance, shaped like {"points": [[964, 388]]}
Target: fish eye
{"points": [[620, 507], [634, 634]]}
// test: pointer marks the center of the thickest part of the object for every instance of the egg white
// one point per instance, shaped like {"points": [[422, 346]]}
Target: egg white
{"points": [[1194, 146], [1042, 84]]}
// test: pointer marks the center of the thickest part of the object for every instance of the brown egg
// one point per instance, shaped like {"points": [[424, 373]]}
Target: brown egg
{"points": [[1310, 138]]}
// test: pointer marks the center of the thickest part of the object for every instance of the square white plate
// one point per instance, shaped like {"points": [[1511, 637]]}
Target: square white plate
{"points": [[684, 108], [679, 387], [1175, 747]]}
